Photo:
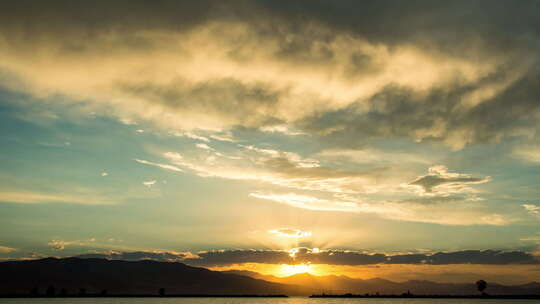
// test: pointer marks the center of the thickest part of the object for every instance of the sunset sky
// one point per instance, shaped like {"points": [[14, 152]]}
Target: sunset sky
{"points": [[395, 139]]}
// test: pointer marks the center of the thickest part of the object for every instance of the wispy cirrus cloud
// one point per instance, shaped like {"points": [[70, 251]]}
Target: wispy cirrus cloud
{"points": [[440, 197], [204, 147], [6, 249], [30, 197], [532, 209], [436, 210], [159, 165], [279, 168], [528, 153], [150, 183], [370, 155], [289, 233]]}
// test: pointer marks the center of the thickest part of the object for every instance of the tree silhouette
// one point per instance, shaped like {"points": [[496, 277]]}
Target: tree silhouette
{"points": [[63, 292], [104, 292], [51, 291], [34, 292], [162, 292], [481, 285], [82, 292]]}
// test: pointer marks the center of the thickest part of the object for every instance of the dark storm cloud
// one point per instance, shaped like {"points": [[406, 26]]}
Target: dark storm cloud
{"points": [[504, 24], [398, 112], [230, 99], [330, 257], [95, 16]]}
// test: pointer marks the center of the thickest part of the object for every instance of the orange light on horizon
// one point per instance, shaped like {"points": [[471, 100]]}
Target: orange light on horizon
{"points": [[289, 270]]}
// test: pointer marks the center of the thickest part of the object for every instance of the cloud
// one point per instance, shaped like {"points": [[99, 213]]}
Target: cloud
{"points": [[190, 135], [344, 73], [340, 257], [436, 210], [446, 198], [61, 244], [280, 168], [289, 233], [439, 197], [163, 166], [90, 243], [227, 137], [203, 146], [307, 202], [439, 180], [318, 256], [280, 129], [528, 153], [57, 244], [531, 239], [29, 197], [370, 156], [5, 249], [532, 209], [149, 183], [156, 255]]}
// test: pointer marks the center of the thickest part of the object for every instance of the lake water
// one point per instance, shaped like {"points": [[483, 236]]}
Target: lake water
{"points": [[291, 300]]}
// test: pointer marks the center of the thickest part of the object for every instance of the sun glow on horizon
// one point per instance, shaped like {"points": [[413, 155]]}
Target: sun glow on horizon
{"points": [[289, 270]]}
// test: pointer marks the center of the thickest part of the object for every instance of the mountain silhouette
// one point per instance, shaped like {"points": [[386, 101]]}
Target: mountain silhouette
{"points": [[76, 276], [342, 284], [128, 277]]}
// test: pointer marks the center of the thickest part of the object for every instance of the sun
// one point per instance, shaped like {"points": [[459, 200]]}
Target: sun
{"points": [[289, 270]]}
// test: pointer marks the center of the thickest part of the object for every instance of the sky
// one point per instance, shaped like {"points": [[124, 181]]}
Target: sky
{"points": [[395, 139]]}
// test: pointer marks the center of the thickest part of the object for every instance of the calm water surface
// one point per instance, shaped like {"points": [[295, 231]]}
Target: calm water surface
{"points": [[292, 300]]}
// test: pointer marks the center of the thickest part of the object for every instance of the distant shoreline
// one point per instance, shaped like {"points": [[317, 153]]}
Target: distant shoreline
{"points": [[507, 297], [21, 296], [95, 296]]}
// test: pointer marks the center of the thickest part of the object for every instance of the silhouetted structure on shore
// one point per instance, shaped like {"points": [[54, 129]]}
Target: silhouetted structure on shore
{"points": [[481, 285]]}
